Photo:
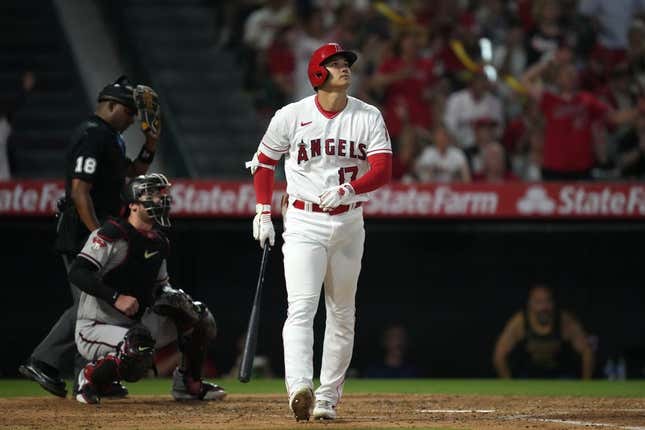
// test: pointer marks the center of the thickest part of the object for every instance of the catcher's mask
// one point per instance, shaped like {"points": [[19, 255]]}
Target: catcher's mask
{"points": [[120, 91], [152, 191], [317, 72]]}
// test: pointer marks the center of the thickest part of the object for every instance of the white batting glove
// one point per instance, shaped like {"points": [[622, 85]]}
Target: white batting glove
{"points": [[333, 197], [263, 226]]}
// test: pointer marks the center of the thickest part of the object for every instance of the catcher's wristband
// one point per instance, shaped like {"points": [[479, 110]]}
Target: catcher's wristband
{"points": [[145, 156]]}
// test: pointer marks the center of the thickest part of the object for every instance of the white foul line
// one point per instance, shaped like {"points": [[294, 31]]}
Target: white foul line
{"points": [[576, 423], [586, 423]]}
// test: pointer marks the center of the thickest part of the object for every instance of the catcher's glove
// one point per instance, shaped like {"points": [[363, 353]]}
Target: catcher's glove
{"points": [[147, 102], [178, 306]]}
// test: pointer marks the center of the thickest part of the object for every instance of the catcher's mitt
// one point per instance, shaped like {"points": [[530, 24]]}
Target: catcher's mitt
{"points": [[178, 306], [147, 102]]}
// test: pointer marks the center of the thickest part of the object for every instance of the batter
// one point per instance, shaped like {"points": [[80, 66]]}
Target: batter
{"points": [[336, 149]]}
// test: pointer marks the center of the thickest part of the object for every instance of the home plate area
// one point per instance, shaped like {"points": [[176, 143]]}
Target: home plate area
{"points": [[357, 411]]}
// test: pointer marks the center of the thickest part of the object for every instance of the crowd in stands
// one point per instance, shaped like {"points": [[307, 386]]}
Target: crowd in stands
{"points": [[471, 90]]}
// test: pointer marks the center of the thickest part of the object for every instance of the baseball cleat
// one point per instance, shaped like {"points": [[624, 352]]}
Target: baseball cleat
{"points": [[185, 389], [86, 391], [324, 410], [301, 403], [37, 371]]}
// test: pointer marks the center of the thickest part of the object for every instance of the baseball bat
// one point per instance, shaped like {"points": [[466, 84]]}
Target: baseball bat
{"points": [[251, 340]]}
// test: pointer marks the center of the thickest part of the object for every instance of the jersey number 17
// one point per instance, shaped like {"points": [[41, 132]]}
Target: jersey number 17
{"points": [[352, 170]]}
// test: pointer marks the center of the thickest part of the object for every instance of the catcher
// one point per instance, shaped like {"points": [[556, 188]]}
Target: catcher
{"points": [[128, 308]]}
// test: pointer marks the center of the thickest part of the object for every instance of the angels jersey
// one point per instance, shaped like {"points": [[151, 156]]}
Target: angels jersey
{"points": [[323, 149]]}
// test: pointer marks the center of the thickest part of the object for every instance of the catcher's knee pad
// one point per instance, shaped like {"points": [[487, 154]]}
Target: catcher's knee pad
{"points": [[206, 323], [135, 353], [186, 313]]}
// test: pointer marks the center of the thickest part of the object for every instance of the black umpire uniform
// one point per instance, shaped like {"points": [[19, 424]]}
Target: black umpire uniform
{"points": [[96, 156]]}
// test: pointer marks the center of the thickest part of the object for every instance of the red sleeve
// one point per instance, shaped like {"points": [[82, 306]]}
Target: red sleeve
{"points": [[547, 101], [379, 174], [263, 180], [598, 108]]}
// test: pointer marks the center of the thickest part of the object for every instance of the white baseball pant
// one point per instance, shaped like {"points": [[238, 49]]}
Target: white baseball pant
{"points": [[318, 248], [95, 339]]}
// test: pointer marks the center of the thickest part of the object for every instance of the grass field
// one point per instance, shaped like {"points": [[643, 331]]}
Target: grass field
{"points": [[427, 404], [635, 389]]}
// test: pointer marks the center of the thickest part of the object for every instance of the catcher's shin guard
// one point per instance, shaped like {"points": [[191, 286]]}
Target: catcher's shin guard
{"points": [[193, 345], [96, 374]]}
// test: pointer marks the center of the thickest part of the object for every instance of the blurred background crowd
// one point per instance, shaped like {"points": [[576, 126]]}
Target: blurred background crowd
{"points": [[455, 79], [448, 76]]}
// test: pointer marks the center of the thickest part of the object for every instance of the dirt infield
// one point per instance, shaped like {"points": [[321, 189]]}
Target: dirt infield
{"points": [[355, 412]]}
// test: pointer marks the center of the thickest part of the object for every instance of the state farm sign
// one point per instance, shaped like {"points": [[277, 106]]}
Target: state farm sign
{"points": [[583, 200], [220, 199], [30, 197]]}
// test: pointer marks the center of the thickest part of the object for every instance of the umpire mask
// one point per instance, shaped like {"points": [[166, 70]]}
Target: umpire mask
{"points": [[152, 191]]}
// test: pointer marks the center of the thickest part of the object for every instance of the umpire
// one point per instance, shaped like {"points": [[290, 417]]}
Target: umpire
{"points": [[95, 173]]}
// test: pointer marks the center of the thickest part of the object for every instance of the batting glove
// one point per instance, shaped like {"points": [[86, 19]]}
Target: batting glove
{"points": [[262, 225], [333, 197]]}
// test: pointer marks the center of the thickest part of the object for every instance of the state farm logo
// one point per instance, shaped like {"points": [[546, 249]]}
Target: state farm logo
{"points": [[584, 200], [536, 201]]}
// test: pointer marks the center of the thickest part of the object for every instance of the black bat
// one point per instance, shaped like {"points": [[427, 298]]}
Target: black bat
{"points": [[246, 366]]}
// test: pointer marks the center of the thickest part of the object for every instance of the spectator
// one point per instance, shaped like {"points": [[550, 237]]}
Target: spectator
{"points": [[492, 17], [484, 130], [394, 363], [260, 28], [263, 23], [611, 19], [8, 107], [573, 120], [636, 51], [442, 162], [307, 39], [631, 152], [494, 165], [278, 89], [547, 35], [541, 335], [409, 148], [406, 81], [465, 106], [510, 56]]}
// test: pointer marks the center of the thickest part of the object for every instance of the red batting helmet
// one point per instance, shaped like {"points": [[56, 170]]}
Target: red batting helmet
{"points": [[317, 72]]}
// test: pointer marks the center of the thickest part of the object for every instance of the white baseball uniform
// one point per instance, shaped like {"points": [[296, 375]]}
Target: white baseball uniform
{"points": [[322, 150]]}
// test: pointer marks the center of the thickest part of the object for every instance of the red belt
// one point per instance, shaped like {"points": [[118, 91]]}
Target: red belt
{"points": [[313, 207]]}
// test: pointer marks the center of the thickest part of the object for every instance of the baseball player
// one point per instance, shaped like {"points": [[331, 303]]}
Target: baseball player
{"points": [[127, 307], [336, 150], [96, 168]]}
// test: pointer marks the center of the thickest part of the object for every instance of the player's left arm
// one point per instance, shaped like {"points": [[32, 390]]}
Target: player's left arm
{"points": [[379, 157], [141, 164], [573, 332]]}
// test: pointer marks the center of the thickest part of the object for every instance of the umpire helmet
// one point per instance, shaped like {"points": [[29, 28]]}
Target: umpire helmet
{"points": [[152, 192], [317, 72], [120, 91]]}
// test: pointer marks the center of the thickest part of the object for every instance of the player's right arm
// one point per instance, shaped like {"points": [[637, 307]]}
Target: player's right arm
{"points": [[274, 144], [85, 169], [513, 332], [573, 332], [83, 203], [85, 273]]}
